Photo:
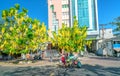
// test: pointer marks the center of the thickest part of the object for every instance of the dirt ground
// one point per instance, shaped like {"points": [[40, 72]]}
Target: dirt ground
{"points": [[91, 66], [102, 61]]}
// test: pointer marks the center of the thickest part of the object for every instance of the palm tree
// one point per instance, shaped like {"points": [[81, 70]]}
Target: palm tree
{"points": [[116, 22]]}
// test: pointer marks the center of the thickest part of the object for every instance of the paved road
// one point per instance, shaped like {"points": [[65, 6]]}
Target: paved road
{"points": [[94, 66]]}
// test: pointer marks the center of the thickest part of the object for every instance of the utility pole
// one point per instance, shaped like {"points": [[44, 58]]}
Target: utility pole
{"points": [[103, 30], [103, 38]]}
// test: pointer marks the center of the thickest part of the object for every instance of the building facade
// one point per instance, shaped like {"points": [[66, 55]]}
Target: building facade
{"points": [[106, 33], [58, 13], [86, 13], [64, 11], [105, 43]]}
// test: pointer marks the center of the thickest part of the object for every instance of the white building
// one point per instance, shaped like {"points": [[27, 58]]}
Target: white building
{"points": [[106, 33], [105, 45]]}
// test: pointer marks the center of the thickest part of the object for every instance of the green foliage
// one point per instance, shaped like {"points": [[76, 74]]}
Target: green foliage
{"points": [[116, 22], [17, 6], [71, 39], [20, 33]]}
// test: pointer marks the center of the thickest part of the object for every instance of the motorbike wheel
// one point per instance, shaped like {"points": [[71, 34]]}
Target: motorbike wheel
{"points": [[79, 64]]}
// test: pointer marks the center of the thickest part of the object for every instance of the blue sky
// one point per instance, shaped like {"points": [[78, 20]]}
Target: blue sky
{"points": [[107, 9], [36, 8]]}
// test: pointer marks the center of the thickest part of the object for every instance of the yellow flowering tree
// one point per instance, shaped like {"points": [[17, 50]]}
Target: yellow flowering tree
{"points": [[71, 39], [20, 33], [40, 35]]}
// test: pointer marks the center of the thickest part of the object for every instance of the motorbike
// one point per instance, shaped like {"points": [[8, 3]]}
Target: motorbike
{"points": [[71, 61]]}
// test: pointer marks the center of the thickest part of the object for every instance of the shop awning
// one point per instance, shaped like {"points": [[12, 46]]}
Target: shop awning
{"points": [[117, 49]]}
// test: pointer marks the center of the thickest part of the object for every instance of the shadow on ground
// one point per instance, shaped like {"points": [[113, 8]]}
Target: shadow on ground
{"points": [[101, 71], [106, 58], [86, 70]]}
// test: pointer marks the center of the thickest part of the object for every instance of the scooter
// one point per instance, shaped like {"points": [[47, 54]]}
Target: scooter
{"points": [[73, 62]]}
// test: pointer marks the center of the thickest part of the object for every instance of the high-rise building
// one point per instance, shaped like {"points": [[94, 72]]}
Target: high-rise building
{"points": [[63, 11], [86, 13], [58, 13]]}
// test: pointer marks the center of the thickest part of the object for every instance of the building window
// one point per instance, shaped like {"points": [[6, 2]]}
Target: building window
{"points": [[83, 15], [65, 6], [54, 22], [52, 7]]}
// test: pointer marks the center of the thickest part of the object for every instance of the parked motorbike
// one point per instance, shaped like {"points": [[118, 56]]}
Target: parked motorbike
{"points": [[73, 62]]}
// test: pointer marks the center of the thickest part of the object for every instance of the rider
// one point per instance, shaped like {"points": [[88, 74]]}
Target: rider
{"points": [[63, 59]]}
